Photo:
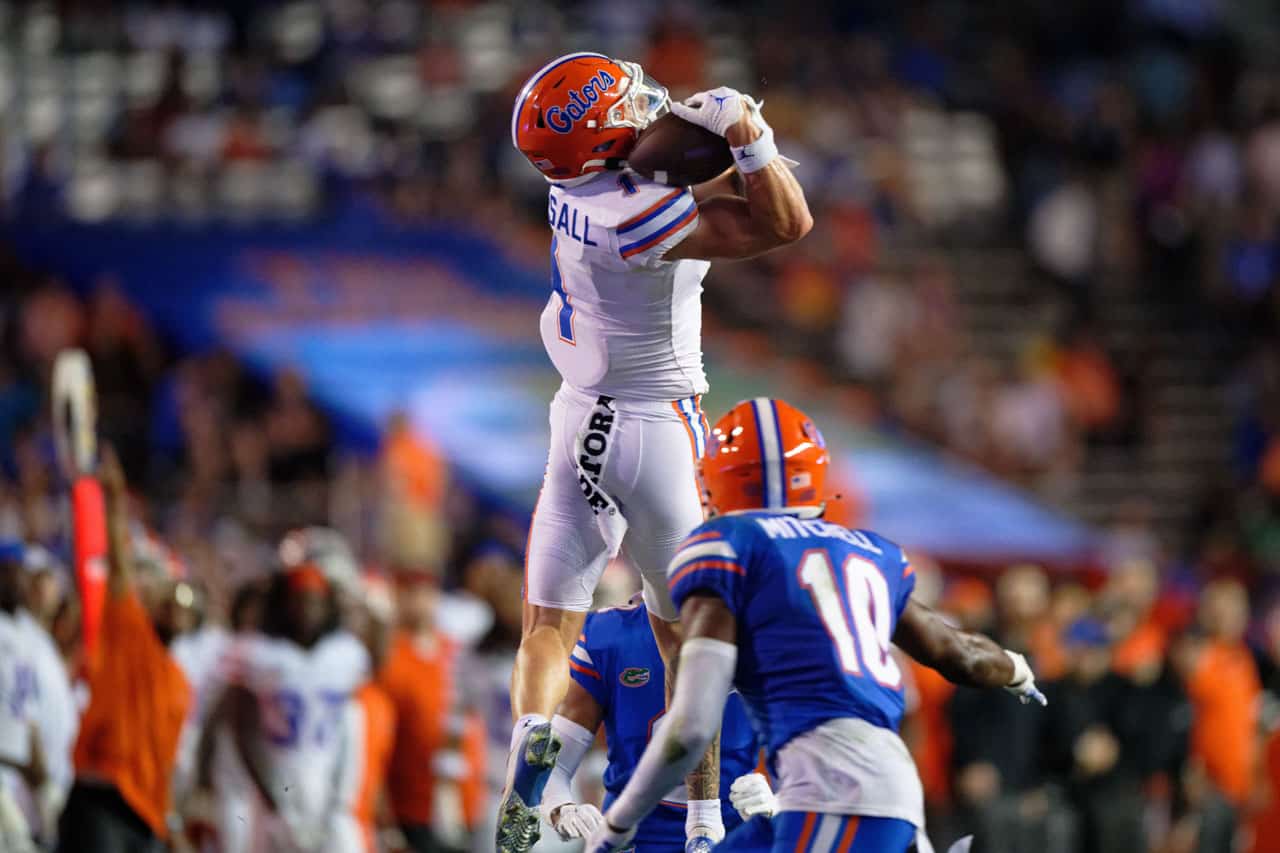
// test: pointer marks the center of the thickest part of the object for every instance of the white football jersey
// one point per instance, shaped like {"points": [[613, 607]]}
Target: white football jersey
{"points": [[199, 654], [34, 689], [302, 699], [620, 320]]}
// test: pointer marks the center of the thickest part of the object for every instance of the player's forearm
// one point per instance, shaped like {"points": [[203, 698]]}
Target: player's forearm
{"points": [[777, 203], [975, 661], [703, 781], [774, 198], [728, 182], [242, 714], [706, 668]]}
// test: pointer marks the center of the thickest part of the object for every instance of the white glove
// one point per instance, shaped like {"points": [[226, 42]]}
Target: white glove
{"points": [[575, 820], [716, 109], [606, 840], [1023, 683], [751, 795]]}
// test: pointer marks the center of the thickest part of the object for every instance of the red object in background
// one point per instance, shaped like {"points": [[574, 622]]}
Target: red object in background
{"points": [[1266, 818], [89, 539]]}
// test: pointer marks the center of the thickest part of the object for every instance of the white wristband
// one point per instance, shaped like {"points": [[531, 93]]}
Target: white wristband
{"points": [[755, 155]]}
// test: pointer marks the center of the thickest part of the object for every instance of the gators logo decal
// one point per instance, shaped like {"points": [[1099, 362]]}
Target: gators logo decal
{"points": [[634, 676]]}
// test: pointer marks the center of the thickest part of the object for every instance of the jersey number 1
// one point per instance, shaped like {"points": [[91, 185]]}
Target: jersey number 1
{"points": [[868, 609], [565, 318]]}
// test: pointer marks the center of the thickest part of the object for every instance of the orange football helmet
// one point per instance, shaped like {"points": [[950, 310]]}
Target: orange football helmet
{"points": [[582, 110], [764, 454]]}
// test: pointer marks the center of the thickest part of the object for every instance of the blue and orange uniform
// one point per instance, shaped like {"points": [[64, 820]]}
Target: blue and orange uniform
{"points": [[617, 662], [816, 605]]}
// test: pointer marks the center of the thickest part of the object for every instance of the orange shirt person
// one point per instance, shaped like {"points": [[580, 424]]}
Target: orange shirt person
{"points": [[377, 728], [128, 741], [431, 755], [1222, 684], [372, 721]]}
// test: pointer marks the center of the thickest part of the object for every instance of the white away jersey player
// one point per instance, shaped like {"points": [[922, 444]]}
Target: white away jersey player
{"points": [[302, 700], [621, 320], [34, 690], [624, 328]]}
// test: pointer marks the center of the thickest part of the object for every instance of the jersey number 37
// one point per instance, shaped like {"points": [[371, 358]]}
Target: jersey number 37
{"points": [[865, 606]]}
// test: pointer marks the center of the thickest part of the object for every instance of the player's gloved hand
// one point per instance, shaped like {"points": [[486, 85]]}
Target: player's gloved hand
{"points": [[715, 109], [1023, 683], [606, 839], [751, 795], [575, 820]]}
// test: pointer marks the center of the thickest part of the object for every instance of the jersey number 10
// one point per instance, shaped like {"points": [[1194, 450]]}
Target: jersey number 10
{"points": [[867, 607]]}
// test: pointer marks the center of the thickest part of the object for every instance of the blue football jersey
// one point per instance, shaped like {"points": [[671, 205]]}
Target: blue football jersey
{"points": [[617, 661], [816, 606]]}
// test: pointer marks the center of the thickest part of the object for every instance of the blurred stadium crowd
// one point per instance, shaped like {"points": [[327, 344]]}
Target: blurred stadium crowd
{"points": [[1047, 238]]}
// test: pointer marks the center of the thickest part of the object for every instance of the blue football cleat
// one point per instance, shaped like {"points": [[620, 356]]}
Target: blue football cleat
{"points": [[528, 768], [699, 844]]}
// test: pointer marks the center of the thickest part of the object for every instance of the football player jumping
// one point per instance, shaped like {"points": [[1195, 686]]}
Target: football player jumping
{"points": [[799, 615], [623, 327]]}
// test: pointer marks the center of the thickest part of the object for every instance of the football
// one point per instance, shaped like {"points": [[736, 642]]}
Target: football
{"points": [[678, 153]]}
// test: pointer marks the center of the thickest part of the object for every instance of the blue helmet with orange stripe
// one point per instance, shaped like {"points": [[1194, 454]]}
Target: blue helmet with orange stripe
{"points": [[764, 454], [582, 110]]}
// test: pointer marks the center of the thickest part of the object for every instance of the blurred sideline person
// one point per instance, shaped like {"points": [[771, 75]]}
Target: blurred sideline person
{"points": [[434, 780], [38, 716], [220, 795], [288, 689], [1222, 683], [623, 328], [127, 747], [799, 614], [371, 726], [618, 682]]}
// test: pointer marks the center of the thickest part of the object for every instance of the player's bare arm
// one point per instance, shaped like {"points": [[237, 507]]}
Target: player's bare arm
{"points": [[116, 498], [727, 183], [244, 717], [962, 657], [205, 745], [771, 210]]}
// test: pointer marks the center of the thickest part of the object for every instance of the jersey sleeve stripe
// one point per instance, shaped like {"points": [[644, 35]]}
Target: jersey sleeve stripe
{"points": [[662, 233], [908, 570], [702, 537], [706, 565], [649, 213], [582, 655], [585, 670], [704, 549]]}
